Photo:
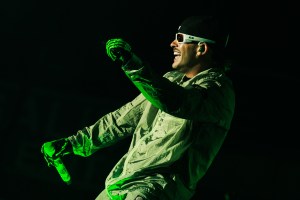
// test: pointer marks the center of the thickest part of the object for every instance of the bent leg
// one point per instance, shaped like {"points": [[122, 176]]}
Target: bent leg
{"points": [[103, 196]]}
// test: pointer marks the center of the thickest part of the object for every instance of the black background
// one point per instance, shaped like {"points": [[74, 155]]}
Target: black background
{"points": [[55, 78]]}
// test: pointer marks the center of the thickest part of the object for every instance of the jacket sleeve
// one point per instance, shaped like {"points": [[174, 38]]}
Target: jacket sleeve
{"points": [[109, 129], [162, 93], [208, 99]]}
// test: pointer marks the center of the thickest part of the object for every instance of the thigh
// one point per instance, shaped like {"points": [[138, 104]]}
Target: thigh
{"points": [[103, 196], [144, 193]]}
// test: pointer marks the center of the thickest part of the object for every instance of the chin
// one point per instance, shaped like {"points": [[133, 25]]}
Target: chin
{"points": [[175, 65]]}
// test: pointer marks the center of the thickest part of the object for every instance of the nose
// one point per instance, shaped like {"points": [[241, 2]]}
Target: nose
{"points": [[174, 43]]}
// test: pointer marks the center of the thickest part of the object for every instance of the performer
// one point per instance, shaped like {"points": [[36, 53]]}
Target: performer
{"points": [[178, 122]]}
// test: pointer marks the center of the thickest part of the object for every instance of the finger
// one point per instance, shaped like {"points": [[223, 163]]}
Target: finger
{"points": [[111, 55], [42, 149], [48, 160], [118, 43]]}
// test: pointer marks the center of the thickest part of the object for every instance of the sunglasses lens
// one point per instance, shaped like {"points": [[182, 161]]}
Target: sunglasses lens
{"points": [[179, 37]]}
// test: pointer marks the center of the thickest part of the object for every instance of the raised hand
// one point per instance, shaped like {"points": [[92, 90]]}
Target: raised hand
{"points": [[118, 49]]}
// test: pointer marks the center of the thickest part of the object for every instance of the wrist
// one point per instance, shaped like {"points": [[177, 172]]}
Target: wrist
{"points": [[133, 63], [68, 148]]}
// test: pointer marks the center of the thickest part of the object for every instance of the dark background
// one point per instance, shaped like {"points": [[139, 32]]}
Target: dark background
{"points": [[55, 78]]}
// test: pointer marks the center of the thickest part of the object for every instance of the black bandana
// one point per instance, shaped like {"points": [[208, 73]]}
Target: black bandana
{"points": [[205, 27]]}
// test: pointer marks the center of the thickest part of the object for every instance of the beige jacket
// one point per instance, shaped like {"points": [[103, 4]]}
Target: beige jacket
{"points": [[177, 128]]}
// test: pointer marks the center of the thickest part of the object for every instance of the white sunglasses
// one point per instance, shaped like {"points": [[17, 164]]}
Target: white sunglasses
{"points": [[185, 38]]}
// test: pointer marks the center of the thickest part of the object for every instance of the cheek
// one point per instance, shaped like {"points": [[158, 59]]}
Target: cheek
{"points": [[191, 50], [191, 55]]}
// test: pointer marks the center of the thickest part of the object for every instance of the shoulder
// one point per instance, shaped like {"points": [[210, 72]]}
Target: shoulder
{"points": [[173, 75], [211, 77]]}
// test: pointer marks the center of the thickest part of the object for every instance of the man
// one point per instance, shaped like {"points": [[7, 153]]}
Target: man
{"points": [[177, 123]]}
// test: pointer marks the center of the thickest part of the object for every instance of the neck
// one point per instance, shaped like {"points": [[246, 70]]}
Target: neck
{"points": [[194, 71]]}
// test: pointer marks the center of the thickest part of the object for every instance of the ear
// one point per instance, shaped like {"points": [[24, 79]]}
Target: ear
{"points": [[202, 48]]}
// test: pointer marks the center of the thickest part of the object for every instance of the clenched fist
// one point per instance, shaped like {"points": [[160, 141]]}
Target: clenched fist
{"points": [[118, 49]]}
